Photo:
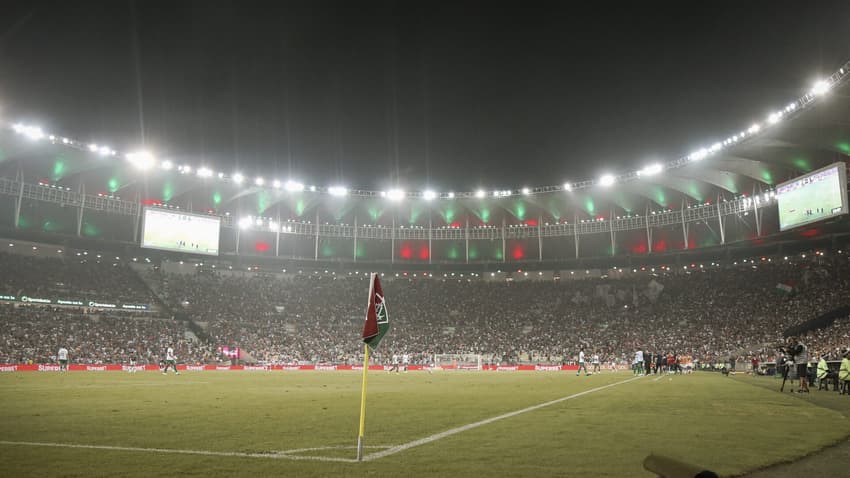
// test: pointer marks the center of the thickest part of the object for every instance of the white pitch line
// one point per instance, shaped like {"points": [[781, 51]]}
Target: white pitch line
{"points": [[454, 431], [182, 452], [285, 455]]}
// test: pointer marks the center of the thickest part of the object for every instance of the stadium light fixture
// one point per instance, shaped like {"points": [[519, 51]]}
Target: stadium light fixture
{"points": [[754, 128], [651, 170], [105, 151], [429, 195], [277, 184], [480, 194], [820, 87], [273, 226], [774, 117], [185, 169], [167, 165], [204, 172], [526, 191], [607, 180], [259, 181], [32, 132], [451, 195], [141, 160], [395, 194], [245, 223], [238, 178], [567, 187], [293, 186], [93, 147], [338, 191], [698, 154]]}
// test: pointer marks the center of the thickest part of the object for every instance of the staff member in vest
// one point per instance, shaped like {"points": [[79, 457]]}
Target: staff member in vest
{"points": [[825, 375], [844, 372]]}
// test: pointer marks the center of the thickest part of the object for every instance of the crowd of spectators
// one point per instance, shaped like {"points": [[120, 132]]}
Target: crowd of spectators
{"points": [[706, 313], [74, 277]]}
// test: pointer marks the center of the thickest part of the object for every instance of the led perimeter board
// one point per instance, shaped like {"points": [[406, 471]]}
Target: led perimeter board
{"points": [[180, 232], [813, 197]]}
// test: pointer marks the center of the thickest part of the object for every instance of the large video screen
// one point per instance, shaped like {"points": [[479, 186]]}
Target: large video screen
{"points": [[813, 197], [181, 232]]}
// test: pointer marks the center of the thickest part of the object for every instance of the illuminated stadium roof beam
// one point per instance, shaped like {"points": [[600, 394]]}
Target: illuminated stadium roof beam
{"points": [[761, 171], [723, 180]]}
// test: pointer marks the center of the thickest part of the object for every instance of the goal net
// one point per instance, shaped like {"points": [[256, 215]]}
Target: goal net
{"points": [[457, 361]]}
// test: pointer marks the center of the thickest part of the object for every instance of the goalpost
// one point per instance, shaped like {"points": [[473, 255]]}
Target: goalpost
{"points": [[457, 361]]}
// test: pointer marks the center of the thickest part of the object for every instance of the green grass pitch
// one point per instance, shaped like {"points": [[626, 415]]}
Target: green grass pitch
{"points": [[730, 425]]}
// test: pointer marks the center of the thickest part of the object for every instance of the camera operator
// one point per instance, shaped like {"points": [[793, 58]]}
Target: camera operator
{"points": [[800, 354]]}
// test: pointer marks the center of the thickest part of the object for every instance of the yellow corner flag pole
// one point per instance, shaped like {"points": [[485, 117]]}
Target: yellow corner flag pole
{"points": [[363, 404]]}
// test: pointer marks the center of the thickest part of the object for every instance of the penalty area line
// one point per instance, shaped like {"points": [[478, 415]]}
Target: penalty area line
{"points": [[486, 421]]}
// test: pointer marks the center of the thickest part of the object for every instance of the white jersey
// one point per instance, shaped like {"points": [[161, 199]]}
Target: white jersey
{"points": [[581, 357], [395, 359], [169, 354], [639, 356], [595, 359], [405, 359], [63, 353]]}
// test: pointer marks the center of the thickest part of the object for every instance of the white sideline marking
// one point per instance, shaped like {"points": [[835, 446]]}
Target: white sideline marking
{"points": [[291, 454], [280, 455], [454, 431]]}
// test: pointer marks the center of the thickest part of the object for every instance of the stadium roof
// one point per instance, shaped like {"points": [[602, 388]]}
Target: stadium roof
{"points": [[807, 133]]}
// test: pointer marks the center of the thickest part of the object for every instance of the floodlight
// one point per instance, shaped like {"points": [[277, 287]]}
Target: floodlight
{"points": [[480, 193], [293, 186], [245, 223], [338, 191], [651, 170], [429, 195], [821, 87], [259, 181], [526, 191], [607, 180], [204, 172], [276, 183], [395, 194], [141, 159], [167, 165], [238, 178]]}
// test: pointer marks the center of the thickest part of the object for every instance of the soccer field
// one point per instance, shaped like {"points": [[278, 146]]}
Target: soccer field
{"points": [[418, 424]]}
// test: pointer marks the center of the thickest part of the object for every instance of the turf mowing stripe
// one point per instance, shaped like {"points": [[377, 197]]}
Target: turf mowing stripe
{"points": [[181, 452], [454, 431]]}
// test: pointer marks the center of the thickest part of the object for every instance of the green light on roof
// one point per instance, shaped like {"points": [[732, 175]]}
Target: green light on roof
{"points": [[519, 210], [263, 201], [374, 212], [484, 215], [58, 169], [802, 164], [327, 250], [766, 176], [50, 226], [589, 206], [473, 252], [216, 198], [113, 184], [499, 255], [361, 250], [843, 146], [448, 215], [300, 207], [415, 212]]}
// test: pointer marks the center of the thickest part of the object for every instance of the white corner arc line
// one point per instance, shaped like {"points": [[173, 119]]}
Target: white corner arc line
{"points": [[486, 421]]}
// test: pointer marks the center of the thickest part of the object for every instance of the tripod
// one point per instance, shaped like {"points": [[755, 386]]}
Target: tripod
{"points": [[786, 368]]}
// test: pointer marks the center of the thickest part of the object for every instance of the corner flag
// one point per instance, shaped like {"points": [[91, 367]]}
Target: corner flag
{"points": [[377, 321], [377, 324]]}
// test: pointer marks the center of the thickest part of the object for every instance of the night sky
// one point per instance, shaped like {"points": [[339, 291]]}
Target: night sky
{"points": [[451, 95]]}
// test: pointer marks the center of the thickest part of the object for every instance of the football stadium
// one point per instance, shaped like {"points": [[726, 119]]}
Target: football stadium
{"points": [[275, 303]]}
